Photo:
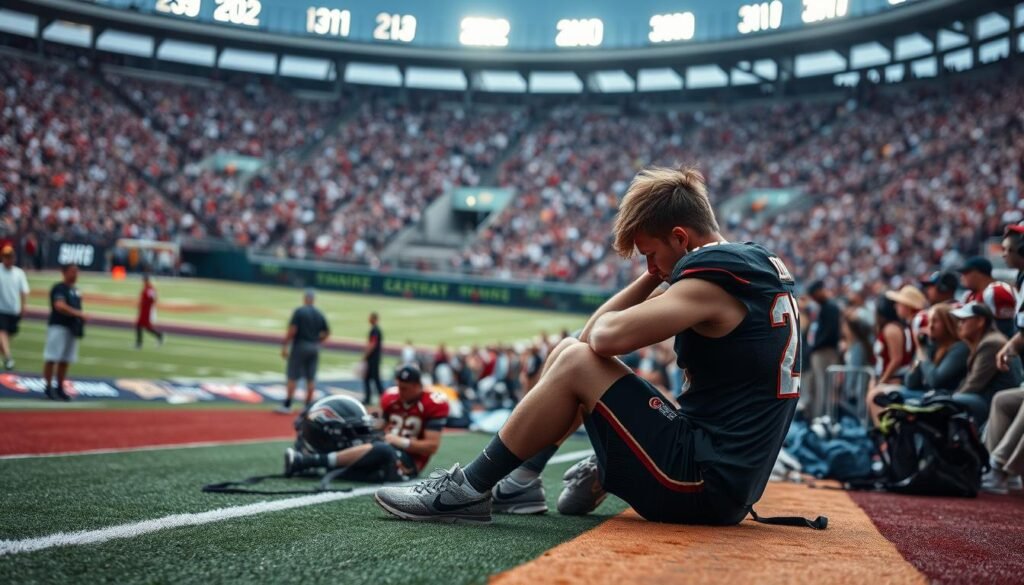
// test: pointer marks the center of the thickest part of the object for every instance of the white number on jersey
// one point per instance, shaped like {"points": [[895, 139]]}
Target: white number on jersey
{"points": [[408, 427], [780, 267], [784, 314]]}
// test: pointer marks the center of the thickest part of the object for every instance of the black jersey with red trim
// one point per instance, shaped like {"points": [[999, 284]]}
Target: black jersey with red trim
{"points": [[743, 386]]}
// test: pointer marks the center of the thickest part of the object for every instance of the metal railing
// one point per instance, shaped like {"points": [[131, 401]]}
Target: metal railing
{"points": [[846, 390]]}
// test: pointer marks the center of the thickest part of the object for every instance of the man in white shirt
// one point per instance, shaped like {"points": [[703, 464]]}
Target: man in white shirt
{"points": [[13, 296]]}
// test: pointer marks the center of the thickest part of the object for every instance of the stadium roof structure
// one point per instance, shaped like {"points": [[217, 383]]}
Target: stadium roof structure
{"points": [[918, 39]]}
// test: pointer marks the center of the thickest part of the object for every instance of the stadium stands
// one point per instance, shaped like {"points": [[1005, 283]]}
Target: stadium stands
{"points": [[937, 163], [377, 173], [76, 163]]}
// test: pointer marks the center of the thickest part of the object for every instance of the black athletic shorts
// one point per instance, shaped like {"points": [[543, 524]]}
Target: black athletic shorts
{"points": [[380, 464], [302, 362], [645, 453], [9, 323]]}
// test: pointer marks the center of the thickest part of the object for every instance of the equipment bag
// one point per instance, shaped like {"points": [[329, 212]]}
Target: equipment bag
{"points": [[931, 449]]}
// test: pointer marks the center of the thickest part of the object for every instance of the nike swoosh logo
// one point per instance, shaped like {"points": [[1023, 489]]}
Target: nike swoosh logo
{"points": [[443, 507], [509, 495]]}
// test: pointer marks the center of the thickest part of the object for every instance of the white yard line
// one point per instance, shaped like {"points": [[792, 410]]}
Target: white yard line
{"points": [[123, 531], [147, 448], [10, 547]]}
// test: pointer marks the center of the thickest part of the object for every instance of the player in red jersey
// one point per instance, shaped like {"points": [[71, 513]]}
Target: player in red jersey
{"points": [[413, 421], [147, 312], [999, 297]]}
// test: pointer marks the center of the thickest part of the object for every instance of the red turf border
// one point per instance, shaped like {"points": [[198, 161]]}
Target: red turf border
{"points": [[61, 432], [954, 540]]}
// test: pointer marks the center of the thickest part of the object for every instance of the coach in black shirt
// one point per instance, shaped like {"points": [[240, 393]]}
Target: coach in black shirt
{"points": [[306, 330], [65, 327], [372, 357]]}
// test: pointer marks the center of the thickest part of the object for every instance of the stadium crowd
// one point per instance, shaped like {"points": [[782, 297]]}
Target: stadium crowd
{"points": [[941, 164], [939, 169], [571, 170], [376, 175], [75, 163]]}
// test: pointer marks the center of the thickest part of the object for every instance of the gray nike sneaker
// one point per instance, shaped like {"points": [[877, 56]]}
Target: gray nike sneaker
{"points": [[439, 498], [512, 497], [582, 492]]}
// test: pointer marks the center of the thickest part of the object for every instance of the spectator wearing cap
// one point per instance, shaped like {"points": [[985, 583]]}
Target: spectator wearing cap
{"points": [[941, 287], [13, 296], [822, 340], [976, 328], [307, 329], [999, 297], [910, 306]]}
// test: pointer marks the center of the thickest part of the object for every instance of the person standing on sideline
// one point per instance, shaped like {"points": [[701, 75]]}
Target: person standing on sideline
{"points": [[823, 339], [147, 312], [372, 358], [66, 326], [13, 296], [306, 331]]}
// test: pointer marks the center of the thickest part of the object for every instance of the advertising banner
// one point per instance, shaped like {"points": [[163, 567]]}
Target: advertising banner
{"points": [[85, 255], [14, 385]]}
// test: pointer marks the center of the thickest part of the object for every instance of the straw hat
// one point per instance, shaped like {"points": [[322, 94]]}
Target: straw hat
{"points": [[909, 295]]}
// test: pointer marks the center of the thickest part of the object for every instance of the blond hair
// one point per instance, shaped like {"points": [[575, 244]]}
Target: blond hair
{"points": [[660, 199]]}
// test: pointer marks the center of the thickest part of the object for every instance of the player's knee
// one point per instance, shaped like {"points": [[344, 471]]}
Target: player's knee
{"points": [[577, 354]]}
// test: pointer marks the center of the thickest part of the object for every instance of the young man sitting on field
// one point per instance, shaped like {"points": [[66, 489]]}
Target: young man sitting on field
{"points": [[732, 312]]}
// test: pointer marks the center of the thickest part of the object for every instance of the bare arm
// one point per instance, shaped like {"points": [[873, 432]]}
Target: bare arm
{"points": [[893, 336], [428, 445], [288, 337], [687, 303], [1012, 348], [640, 290]]}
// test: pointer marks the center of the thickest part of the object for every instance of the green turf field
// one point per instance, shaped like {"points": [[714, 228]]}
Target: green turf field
{"points": [[108, 352], [347, 541], [267, 309]]}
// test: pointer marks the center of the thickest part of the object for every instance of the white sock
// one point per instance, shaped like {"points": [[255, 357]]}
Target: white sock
{"points": [[332, 460]]}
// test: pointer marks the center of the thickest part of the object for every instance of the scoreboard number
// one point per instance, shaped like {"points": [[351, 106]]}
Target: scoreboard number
{"points": [[758, 17], [188, 8], [666, 28], [395, 27], [244, 12], [819, 10], [579, 32], [476, 31], [328, 21]]}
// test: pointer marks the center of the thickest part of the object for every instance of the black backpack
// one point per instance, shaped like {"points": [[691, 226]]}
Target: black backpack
{"points": [[930, 449]]}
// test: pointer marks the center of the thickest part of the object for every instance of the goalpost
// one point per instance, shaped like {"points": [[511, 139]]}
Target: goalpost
{"points": [[147, 256]]}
